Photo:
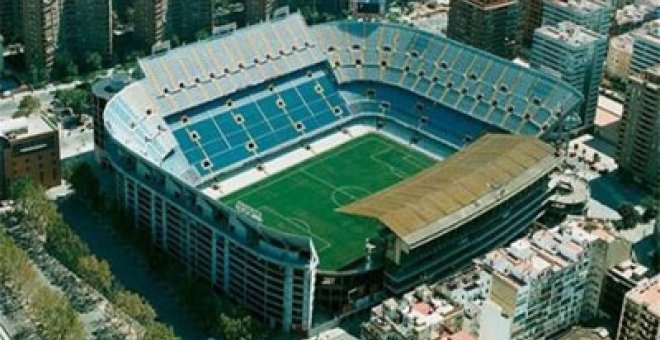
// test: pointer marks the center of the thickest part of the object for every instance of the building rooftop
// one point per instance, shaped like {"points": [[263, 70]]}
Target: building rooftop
{"points": [[109, 86], [624, 42], [462, 335], [333, 334], [647, 293], [25, 127], [581, 6], [630, 270], [569, 32], [632, 14], [421, 311], [571, 188], [649, 31], [451, 192], [527, 259], [580, 333]]}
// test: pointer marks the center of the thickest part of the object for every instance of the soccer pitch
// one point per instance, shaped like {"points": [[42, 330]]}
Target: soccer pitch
{"points": [[304, 199]]}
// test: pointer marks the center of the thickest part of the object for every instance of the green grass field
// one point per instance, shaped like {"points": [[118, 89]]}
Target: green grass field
{"points": [[303, 199]]}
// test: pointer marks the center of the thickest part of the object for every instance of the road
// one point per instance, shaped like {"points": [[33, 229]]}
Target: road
{"points": [[127, 265], [10, 105]]}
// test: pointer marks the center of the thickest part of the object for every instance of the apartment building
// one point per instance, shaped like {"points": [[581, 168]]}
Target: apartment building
{"points": [[29, 147], [631, 17], [640, 317], [638, 147], [10, 20], [469, 289], [40, 31], [2, 57], [647, 45], [533, 289], [618, 281], [490, 25], [86, 28], [188, 20], [77, 27], [591, 14], [619, 55], [150, 16], [576, 55], [418, 315], [544, 284], [259, 10]]}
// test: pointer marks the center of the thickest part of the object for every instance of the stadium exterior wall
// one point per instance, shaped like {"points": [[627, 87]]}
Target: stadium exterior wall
{"points": [[249, 264]]}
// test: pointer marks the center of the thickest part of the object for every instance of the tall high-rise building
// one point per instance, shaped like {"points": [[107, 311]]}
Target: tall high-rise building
{"points": [[619, 54], [592, 14], [638, 148], [646, 50], [531, 19], [180, 20], [618, 281], [79, 27], [188, 18], [41, 31], [86, 28], [10, 20], [576, 55], [259, 10], [2, 57], [490, 25], [150, 18], [640, 318]]}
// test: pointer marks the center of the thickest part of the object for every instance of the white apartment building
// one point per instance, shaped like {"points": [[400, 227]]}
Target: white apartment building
{"points": [[548, 282]]}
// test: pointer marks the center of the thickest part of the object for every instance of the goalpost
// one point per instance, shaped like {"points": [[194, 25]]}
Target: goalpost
{"points": [[246, 210]]}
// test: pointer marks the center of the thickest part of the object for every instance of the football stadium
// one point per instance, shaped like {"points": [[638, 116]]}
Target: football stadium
{"points": [[308, 171]]}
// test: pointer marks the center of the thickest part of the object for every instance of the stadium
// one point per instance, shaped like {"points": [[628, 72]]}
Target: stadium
{"points": [[306, 171]]}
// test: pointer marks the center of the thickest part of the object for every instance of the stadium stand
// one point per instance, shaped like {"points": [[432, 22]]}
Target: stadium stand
{"points": [[205, 113]]}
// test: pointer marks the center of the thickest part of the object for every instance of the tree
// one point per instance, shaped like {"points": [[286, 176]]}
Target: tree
{"points": [[93, 62], [15, 266], [650, 206], [202, 34], [29, 105], [135, 306], [78, 100], [64, 68], [236, 328], [59, 321], [158, 331], [96, 272], [85, 182], [629, 216], [37, 211]]}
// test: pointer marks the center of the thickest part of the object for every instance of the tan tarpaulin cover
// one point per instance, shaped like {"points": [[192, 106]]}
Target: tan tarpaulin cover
{"points": [[452, 184]]}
